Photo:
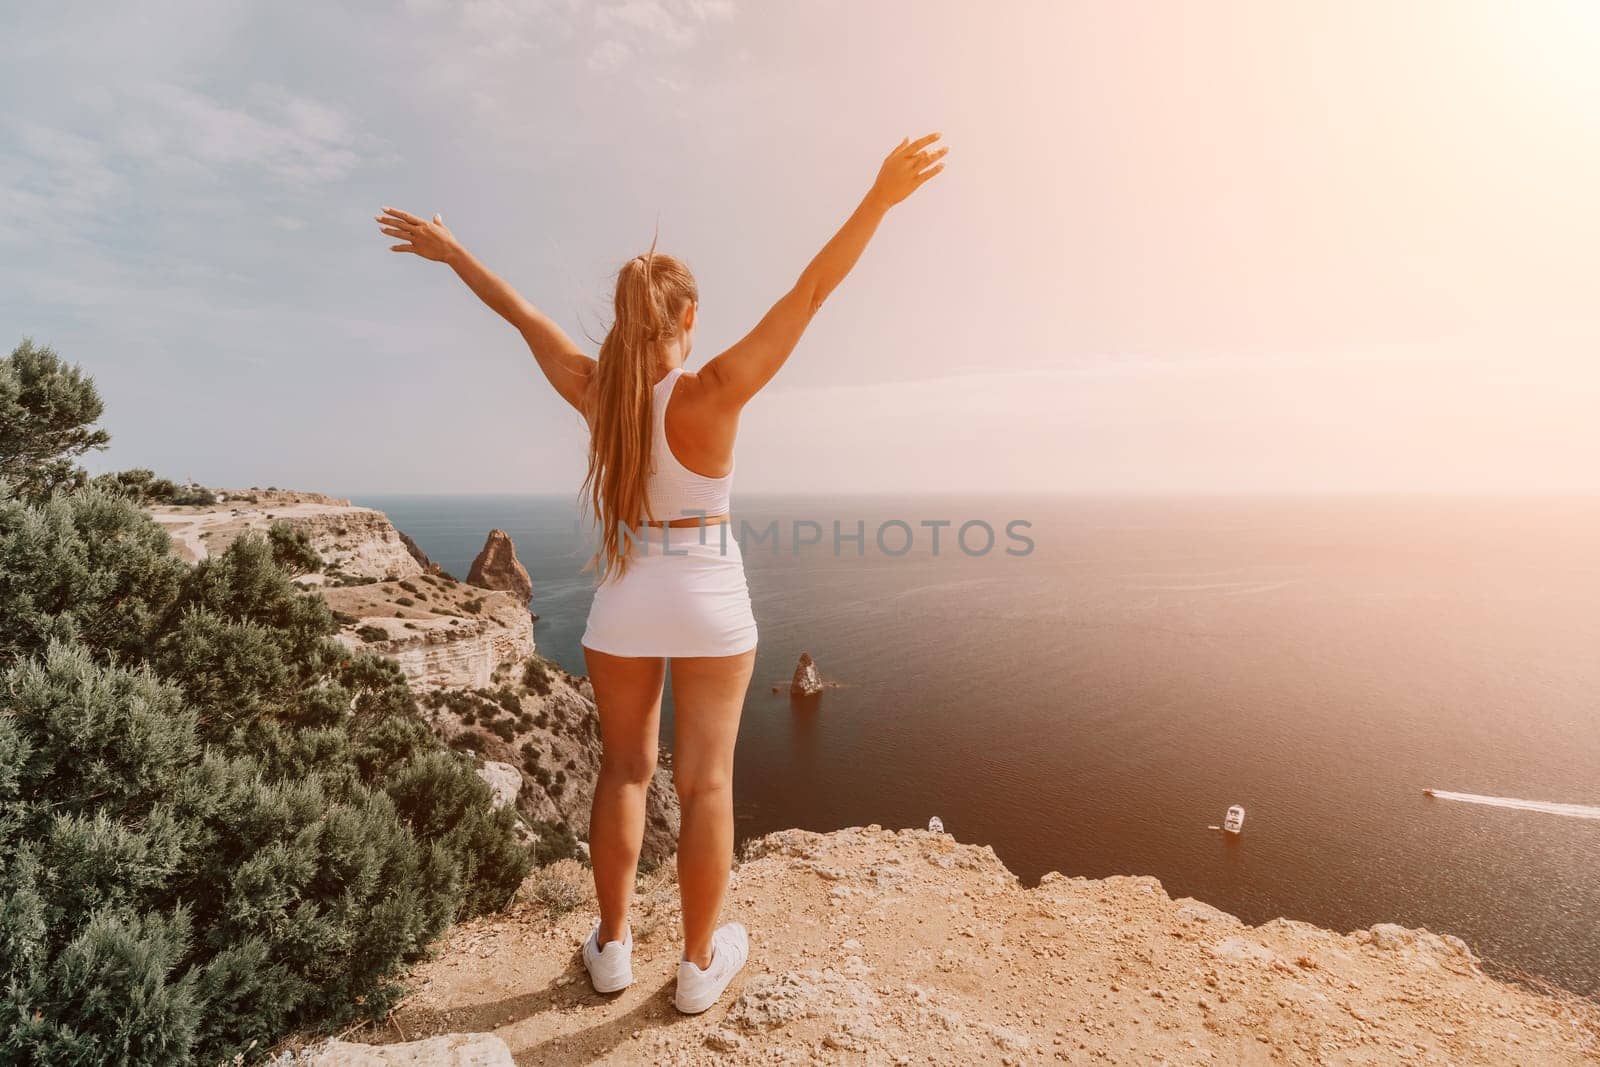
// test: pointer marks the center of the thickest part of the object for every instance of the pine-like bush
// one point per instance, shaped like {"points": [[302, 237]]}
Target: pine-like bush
{"points": [[216, 822]]}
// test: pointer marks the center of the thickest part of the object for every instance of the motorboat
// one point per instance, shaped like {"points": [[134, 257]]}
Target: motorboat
{"points": [[1234, 822]]}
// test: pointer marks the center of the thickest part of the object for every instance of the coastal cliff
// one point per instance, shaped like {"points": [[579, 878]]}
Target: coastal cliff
{"points": [[538, 734], [877, 946], [387, 595], [467, 651], [354, 542], [442, 632], [869, 945]]}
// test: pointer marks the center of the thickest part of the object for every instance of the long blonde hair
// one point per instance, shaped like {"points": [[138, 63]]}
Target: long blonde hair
{"points": [[653, 290]]}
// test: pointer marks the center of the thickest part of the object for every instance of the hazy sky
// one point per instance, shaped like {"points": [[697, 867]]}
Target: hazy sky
{"points": [[1220, 246]]}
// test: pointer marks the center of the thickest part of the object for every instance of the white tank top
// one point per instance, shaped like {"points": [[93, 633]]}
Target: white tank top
{"points": [[674, 491]]}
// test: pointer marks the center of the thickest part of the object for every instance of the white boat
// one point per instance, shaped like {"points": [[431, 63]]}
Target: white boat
{"points": [[1235, 820], [936, 824]]}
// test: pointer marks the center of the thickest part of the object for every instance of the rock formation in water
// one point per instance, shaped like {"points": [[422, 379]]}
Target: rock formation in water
{"points": [[877, 946], [497, 567], [807, 681]]}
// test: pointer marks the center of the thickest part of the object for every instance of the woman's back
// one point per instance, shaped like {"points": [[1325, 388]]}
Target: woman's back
{"points": [[674, 491]]}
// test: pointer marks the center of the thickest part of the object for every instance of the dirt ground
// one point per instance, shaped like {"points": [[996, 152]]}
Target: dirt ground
{"points": [[877, 946]]}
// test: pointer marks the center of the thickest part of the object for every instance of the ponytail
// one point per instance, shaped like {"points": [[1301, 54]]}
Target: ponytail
{"points": [[651, 294]]}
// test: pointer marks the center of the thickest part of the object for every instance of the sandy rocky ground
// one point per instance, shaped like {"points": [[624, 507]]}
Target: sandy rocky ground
{"points": [[881, 947]]}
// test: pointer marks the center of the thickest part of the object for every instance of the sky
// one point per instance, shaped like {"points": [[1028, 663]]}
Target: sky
{"points": [[1266, 246]]}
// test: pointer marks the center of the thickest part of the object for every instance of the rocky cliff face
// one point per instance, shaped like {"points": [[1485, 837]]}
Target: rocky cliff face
{"points": [[354, 543], [880, 947], [468, 651], [497, 567], [442, 632], [389, 596], [540, 722]]}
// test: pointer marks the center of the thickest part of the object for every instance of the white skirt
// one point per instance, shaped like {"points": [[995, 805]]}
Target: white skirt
{"points": [[678, 597]]}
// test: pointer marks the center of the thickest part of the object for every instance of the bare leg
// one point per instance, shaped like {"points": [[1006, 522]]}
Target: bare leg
{"points": [[627, 692], [708, 696]]}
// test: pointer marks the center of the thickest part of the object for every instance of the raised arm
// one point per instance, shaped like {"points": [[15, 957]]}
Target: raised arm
{"points": [[739, 373], [566, 367]]}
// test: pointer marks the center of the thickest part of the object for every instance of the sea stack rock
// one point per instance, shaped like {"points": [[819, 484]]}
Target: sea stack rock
{"points": [[497, 567], [807, 679]]}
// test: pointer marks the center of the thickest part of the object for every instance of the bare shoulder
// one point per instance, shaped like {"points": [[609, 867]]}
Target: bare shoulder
{"points": [[694, 389], [708, 390], [701, 425]]}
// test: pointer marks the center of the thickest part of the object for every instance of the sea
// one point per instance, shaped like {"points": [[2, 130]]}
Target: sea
{"points": [[1086, 684]]}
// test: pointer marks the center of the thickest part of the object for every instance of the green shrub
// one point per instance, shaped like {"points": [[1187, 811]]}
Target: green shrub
{"points": [[48, 409], [372, 634], [291, 549], [470, 741], [404, 601], [536, 676], [139, 483], [217, 824], [193, 496], [473, 606], [556, 842]]}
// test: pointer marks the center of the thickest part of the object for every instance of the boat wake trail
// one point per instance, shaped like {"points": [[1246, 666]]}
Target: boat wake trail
{"points": [[1571, 811]]}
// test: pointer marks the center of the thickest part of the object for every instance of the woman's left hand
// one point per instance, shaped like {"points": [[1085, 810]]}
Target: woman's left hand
{"points": [[430, 240]]}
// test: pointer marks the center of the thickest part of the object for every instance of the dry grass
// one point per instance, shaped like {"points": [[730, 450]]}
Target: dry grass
{"points": [[559, 888]]}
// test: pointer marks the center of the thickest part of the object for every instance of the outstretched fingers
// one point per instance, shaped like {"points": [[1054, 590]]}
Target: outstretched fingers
{"points": [[402, 224], [925, 160], [403, 216]]}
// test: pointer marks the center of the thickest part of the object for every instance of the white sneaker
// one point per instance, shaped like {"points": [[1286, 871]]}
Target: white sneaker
{"points": [[611, 967], [697, 989]]}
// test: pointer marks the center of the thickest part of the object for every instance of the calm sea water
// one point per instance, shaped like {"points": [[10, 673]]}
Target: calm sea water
{"points": [[1093, 706]]}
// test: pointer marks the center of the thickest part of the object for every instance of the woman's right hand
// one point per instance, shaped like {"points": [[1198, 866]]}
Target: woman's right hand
{"points": [[906, 168]]}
